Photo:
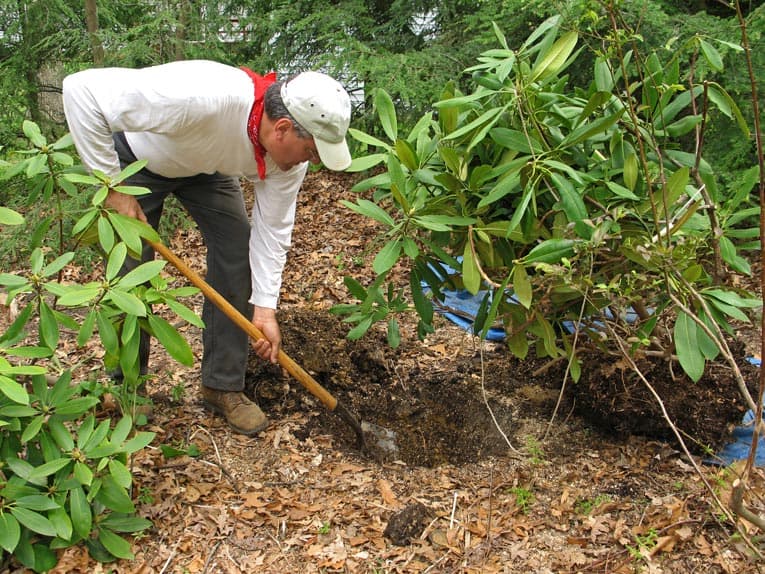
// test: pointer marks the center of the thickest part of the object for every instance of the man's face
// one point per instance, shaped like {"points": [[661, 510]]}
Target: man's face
{"points": [[288, 150]]}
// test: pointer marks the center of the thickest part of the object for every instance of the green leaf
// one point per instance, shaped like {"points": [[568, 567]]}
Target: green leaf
{"points": [[127, 302], [79, 507], [115, 544], [422, 305], [598, 127], [119, 523], [471, 276], [604, 80], [550, 251], [128, 232], [185, 313], [116, 260], [443, 222], [387, 113], [60, 520], [10, 532], [366, 162], [38, 502], [683, 125], [355, 288], [712, 55], [77, 406], [57, 264], [518, 344], [82, 178], [371, 210], [406, 154], [108, 333], [142, 274], [114, 497], [120, 473], [369, 140], [387, 257], [130, 170], [732, 298], [358, 331], [515, 140], [139, 441], [13, 390], [486, 117], [553, 61], [686, 346], [10, 217], [168, 336], [77, 295], [630, 171], [48, 468], [522, 286], [621, 191], [48, 327], [60, 434], [83, 473], [394, 335], [33, 133], [727, 105], [34, 521], [31, 429], [571, 201]]}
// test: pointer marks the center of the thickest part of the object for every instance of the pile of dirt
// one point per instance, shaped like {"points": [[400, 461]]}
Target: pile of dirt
{"points": [[462, 409]]}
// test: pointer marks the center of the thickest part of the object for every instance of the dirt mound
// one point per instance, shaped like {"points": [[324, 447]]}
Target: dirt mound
{"points": [[440, 410]]}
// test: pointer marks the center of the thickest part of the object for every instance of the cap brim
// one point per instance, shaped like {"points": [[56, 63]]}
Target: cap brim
{"points": [[335, 156]]}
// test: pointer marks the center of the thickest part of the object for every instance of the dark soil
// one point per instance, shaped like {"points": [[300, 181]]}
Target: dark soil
{"points": [[612, 396], [438, 409]]}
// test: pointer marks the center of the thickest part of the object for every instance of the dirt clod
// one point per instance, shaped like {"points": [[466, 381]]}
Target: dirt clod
{"points": [[407, 524]]}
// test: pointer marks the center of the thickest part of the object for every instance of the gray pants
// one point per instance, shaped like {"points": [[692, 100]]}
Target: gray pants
{"points": [[216, 204]]}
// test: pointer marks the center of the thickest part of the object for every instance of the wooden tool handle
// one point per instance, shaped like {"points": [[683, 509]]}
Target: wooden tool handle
{"points": [[246, 325]]}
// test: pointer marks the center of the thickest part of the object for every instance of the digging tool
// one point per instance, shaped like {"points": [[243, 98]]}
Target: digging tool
{"points": [[285, 361]]}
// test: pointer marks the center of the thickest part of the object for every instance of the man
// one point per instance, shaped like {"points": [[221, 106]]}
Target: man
{"points": [[201, 125]]}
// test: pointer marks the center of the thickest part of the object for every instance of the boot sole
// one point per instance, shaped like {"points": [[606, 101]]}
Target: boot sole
{"points": [[219, 411]]}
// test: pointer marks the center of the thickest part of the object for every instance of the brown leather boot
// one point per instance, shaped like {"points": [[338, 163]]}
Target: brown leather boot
{"points": [[241, 413]]}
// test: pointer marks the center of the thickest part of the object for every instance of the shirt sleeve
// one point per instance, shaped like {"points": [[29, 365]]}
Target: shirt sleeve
{"points": [[101, 101], [273, 218]]}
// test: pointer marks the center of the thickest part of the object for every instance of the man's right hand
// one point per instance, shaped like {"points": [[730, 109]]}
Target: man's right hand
{"points": [[125, 204]]}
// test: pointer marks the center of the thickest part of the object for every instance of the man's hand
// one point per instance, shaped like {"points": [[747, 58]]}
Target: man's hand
{"points": [[125, 204], [265, 320]]}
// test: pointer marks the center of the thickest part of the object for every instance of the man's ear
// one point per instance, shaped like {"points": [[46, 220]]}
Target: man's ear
{"points": [[282, 126]]}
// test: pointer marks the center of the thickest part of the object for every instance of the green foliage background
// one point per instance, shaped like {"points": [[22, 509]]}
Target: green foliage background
{"points": [[410, 48]]}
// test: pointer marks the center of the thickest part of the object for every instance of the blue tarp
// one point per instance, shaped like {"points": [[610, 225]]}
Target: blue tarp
{"points": [[461, 307], [738, 449]]}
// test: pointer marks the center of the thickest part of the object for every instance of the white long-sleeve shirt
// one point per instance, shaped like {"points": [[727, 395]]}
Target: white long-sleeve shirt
{"points": [[187, 118]]}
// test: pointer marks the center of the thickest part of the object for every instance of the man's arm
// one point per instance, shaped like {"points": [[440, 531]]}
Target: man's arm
{"points": [[273, 217]]}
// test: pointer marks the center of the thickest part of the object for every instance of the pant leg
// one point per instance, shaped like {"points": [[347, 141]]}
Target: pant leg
{"points": [[217, 205]]}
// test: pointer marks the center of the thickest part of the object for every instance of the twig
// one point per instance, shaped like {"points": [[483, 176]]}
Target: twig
{"points": [[716, 336], [212, 555], [454, 509], [571, 359], [219, 464], [491, 412], [170, 558], [679, 437], [737, 505]]}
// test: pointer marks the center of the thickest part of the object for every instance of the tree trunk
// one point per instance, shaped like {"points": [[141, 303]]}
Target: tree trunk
{"points": [[180, 30], [91, 21]]}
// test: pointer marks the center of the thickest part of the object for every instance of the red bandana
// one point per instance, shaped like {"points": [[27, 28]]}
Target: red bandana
{"points": [[256, 114]]}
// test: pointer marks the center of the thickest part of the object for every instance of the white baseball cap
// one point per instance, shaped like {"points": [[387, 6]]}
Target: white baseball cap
{"points": [[321, 105]]}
